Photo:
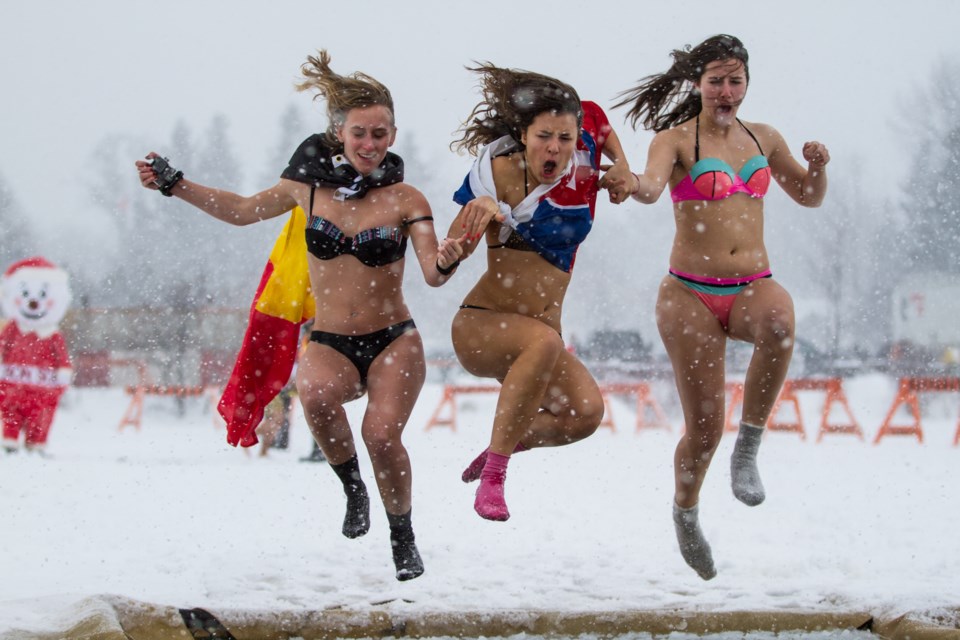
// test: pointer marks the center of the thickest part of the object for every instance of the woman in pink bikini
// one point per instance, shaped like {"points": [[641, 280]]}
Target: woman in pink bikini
{"points": [[719, 285]]}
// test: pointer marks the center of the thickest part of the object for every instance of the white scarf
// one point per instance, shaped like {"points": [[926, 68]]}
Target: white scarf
{"points": [[481, 183]]}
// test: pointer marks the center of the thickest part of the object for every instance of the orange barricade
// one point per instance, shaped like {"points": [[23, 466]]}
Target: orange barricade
{"points": [[907, 395], [134, 411], [788, 395], [645, 401], [449, 402], [134, 414], [834, 396], [445, 415]]}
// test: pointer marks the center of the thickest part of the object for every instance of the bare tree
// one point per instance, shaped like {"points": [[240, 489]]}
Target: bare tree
{"points": [[16, 240], [931, 203]]}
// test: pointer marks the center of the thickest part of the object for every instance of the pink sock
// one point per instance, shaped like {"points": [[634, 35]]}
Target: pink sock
{"points": [[473, 470], [490, 503]]}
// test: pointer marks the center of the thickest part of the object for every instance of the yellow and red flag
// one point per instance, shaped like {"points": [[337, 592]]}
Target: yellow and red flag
{"points": [[282, 303]]}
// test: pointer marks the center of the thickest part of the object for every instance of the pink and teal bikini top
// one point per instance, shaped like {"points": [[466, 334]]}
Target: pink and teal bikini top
{"points": [[714, 179]]}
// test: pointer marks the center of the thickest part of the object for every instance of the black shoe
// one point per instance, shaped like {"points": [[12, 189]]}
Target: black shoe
{"points": [[406, 558], [356, 521]]}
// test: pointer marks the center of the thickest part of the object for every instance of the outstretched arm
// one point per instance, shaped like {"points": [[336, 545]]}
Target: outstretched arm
{"points": [[618, 180], [222, 205], [661, 158]]}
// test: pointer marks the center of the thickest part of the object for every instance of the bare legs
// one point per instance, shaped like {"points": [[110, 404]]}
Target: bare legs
{"points": [[696, 344], [763, 317], [326, 380], [548, 397]]}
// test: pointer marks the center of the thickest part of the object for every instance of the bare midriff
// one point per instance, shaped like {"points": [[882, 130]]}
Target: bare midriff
{"points": [[719, 238], [521, 282]]}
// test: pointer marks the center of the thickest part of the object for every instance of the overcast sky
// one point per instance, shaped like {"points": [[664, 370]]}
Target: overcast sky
{"points": [[73, 72]]}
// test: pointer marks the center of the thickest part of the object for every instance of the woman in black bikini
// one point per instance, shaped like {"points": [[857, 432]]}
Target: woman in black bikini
{"points": [[719, 286], [360, 216]]}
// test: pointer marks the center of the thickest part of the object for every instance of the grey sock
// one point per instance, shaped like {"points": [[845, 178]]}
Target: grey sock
{"points": [[745, 476], [693, 546]]}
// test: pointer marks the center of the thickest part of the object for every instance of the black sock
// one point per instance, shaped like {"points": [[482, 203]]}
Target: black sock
{"points": [[356, 521], [406, 558], [349, 473]]}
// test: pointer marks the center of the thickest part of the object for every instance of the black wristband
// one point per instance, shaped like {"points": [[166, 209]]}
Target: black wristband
{"points": [[167, 177], [447, 271]]}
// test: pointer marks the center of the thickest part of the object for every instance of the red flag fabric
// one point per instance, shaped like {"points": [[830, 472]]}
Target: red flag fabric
{"points": [[269, 350]]}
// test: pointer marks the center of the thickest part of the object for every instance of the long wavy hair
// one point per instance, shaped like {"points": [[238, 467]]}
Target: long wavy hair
{"points": [[666, 99], [512, 99], [342, 93]]}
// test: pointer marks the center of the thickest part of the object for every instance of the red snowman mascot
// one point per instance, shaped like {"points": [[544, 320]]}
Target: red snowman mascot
{"points": [[34, 364]]}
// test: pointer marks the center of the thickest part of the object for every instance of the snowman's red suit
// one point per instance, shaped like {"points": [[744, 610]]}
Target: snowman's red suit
{"points": [[35, 367]]}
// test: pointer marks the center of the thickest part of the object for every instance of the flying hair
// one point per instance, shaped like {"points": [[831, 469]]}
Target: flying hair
{"points": [[342, 93], [512, 99], [663, 100]]}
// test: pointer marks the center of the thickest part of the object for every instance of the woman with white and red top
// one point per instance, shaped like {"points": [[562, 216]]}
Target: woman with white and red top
{"points": [[531, 194]]}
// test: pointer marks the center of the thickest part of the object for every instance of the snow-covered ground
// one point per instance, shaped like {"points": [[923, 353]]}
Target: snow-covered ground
{"points": [[170, 514]]}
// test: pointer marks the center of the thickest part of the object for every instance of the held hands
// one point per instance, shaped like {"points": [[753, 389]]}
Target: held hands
{"points": [[619, 182], [476, 215], [449, 252], [816, 154]]}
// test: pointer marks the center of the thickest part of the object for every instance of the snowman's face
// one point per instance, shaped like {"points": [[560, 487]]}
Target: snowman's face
{"points": [[35, 298]]}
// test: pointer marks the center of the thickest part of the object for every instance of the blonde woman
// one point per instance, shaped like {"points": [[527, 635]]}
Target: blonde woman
{"points": [[360, 217]]}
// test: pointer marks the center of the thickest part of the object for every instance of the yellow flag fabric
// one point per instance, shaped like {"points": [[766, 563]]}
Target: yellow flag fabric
{"points": [[287, 293]]}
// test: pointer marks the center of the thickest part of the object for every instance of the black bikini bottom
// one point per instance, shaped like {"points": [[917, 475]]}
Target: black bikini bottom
{"points": [[363, 350]]}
